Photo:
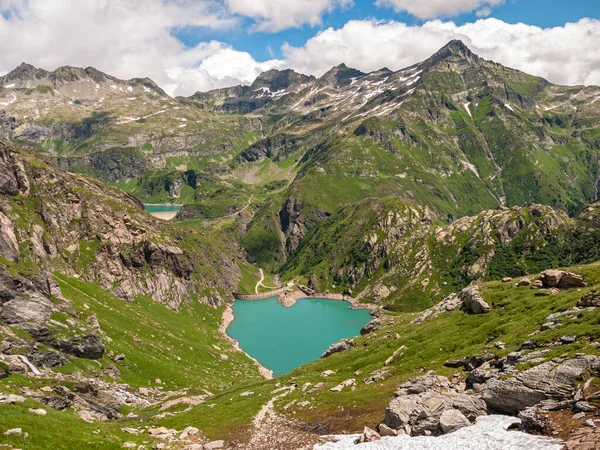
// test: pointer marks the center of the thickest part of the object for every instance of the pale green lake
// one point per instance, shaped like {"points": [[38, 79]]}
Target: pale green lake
{"points": [[282, 339], [162, 208]]}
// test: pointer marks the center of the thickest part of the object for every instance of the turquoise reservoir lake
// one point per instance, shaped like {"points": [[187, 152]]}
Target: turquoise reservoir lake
{"points": [[282, 339], [162, 208]]}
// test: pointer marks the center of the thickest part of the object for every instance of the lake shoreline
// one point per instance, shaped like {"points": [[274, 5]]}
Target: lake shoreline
{"points": [[228, 317], [290, 298], [164, 215]]}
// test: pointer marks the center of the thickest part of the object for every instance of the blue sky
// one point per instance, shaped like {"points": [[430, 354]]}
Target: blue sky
{"points": [[266, 45], [197, 45]]}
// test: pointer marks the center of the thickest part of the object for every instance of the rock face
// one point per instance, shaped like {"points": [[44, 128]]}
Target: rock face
{"points": [[340, 346], [102, 235], [89, 346], [547, 381], [24, 299], [473, 301], [420, 404]]}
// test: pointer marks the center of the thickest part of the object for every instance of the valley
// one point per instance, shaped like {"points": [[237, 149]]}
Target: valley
{"points": [[453, 202]]}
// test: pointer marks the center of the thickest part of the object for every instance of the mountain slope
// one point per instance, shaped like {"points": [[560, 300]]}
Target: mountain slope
{"points": [[455, 132]]}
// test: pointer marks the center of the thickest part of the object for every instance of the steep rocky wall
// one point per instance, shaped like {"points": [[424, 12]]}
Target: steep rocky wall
{"points": [[76, 225]]}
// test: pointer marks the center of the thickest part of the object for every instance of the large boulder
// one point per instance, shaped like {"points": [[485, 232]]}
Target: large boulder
{"points": [[421, 402], [561, 279], [89, 346], [473, 301], [452, 419], [340, 346]]}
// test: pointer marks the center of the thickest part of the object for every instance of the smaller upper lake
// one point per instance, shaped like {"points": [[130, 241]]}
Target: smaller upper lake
{"points": [[165, 211], [282, 339]]}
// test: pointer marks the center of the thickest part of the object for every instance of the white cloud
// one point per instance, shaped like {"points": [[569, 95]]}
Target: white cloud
{"points": [[276, 15], [429, 9], [125, 38], [563, 55], [133, 38]]}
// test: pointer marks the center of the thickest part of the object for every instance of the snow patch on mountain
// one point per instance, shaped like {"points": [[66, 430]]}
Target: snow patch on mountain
{"points": [[488, 433]]}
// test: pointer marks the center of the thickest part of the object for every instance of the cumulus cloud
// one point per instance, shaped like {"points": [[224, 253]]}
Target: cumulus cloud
{"points": [[563, 55], [276, 15], [125, 38], [429, 9], [134, 38]]}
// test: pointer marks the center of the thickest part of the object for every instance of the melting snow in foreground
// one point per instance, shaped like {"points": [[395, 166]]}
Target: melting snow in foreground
{"points": [[489, 433]]}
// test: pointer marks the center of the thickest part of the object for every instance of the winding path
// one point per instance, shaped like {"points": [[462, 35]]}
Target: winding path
{"points": [[262, 277]]}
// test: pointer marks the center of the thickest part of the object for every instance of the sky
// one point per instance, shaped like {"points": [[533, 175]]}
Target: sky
{"points": [[197, 45]]}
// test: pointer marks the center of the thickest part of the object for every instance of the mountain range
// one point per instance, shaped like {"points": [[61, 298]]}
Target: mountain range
{"points": [[414, 191]]}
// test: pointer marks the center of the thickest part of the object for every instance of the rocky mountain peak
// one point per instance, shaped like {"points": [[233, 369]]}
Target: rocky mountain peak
{"points": [[453, 51], [277, 80], [339, 76], [21, 73]]}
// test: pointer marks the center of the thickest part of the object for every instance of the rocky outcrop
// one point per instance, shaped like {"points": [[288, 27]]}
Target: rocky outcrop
{"points": [[337, 347], [473, 301], [24, 299], [548, 381], [420, 404], [561, 279], [592, 299], [83, 228], [89, 346]]}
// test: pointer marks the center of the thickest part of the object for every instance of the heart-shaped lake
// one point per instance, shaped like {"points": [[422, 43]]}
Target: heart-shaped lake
{"points": [[282, 339]]}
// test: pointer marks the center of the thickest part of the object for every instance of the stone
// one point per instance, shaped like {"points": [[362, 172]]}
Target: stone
{"points": [[480, 376], [452, 420], [568, 339], [421, 401], [591, 299], [89, 346], [537, 284], [343, 384], [327, 373], [473, 301], [370, 327], [549, 326], [578, 416], [570, 280], [188, 431], [531, 420], [13, 431], [157, 431], [384, 430], [337, 347], [524, 282], [38, 411], [368, 435], [11, 399], [48, 358], [584, 406], [377, 375], [223, 357], [561, 279], [507, 279], [551, 278], [215, 445], [590, 423]]}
